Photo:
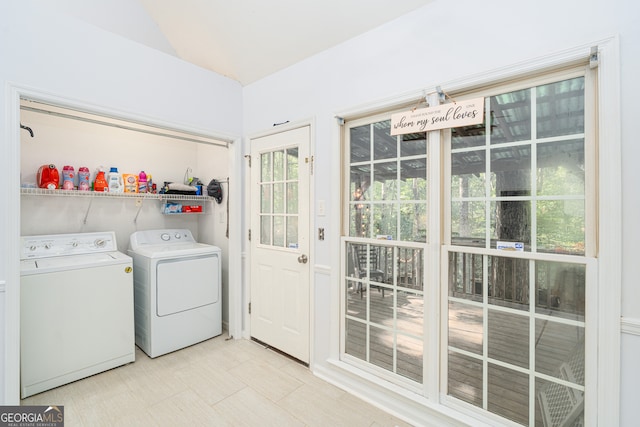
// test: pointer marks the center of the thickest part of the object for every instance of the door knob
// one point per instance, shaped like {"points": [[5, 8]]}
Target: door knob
{"points": [[302, 259]]}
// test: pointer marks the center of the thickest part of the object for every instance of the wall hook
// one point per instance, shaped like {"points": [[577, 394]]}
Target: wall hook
{"points": [[27, 128]]}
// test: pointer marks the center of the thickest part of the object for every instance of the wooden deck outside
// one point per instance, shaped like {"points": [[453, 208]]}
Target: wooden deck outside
{"points": [[408, 324], [557, 346]]}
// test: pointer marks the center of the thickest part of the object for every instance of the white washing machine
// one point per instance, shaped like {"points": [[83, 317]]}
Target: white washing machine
{"points": [[76, 309], [178, 296]]}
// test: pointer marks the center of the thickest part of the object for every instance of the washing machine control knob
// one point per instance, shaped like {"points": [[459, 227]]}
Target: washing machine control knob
{"points": [[32, 247], [165, 236], [99, 243], [178, 236], [47, 245]]}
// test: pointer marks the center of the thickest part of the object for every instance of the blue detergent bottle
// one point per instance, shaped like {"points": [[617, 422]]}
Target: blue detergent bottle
{"points": [[115, 181]]}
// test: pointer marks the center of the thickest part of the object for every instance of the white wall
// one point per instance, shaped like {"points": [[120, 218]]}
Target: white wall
{"points": [[442, 42], [46, 52]]}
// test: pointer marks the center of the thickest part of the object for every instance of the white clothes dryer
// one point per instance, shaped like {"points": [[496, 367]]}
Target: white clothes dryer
{"points": [[76, 309], [178, 296]]}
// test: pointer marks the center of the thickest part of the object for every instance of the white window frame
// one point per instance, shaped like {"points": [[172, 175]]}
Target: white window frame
{"points": [[604, 406], [427, 336], [604, 227], [591, 263]]}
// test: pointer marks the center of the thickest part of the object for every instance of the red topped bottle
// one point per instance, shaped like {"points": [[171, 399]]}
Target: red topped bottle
{"points": [[100, 183]]}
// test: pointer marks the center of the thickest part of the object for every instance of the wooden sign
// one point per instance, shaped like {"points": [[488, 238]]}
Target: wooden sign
{"points": [[461, 113]]}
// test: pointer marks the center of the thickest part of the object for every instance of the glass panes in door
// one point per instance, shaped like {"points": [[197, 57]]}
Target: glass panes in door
{"points": [[279, 198]]}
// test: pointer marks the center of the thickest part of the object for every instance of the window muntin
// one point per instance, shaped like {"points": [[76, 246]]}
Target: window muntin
{"points": [[279, 198], [520, 177], [384, 306], [513, 323], [384, 292], [529, 162], [387, 183]]}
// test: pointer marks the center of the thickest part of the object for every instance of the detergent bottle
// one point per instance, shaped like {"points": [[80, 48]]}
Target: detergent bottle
{"points": [[48, 177], [67, 178], [100, 183], [83, 178], [142, 183], [151, 187], [115, 181]]}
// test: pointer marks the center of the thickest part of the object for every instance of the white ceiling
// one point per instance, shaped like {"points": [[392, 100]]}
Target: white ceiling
{"points": [[247, 40]]}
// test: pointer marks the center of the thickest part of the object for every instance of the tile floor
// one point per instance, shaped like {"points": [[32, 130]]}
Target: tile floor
{"points": [[219, 383]]}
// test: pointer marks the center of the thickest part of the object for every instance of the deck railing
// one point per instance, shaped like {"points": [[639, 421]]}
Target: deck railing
{"points": [[384, 263]]}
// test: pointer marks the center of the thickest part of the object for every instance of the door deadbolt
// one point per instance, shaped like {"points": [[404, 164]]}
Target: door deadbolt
{"points": [[302, 259]]}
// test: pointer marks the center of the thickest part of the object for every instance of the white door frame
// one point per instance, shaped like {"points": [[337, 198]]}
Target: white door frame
{"points": [[11, 365], [247, 221]]}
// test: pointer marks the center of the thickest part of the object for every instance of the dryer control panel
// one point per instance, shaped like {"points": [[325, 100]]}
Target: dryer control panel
{"points": [[160, 237]]}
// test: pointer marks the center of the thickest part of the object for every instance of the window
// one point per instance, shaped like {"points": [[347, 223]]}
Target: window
{"points": [[384, 293], [388, 183], [517, 213], [279, 198], [516, 325], [520, 176]]}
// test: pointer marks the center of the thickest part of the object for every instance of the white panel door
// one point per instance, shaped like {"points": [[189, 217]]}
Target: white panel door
{"points": [[280, 241]]}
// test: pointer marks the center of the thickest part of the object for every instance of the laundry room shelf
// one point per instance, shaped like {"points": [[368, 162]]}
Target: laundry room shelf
{"points": [[93, 194]]}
